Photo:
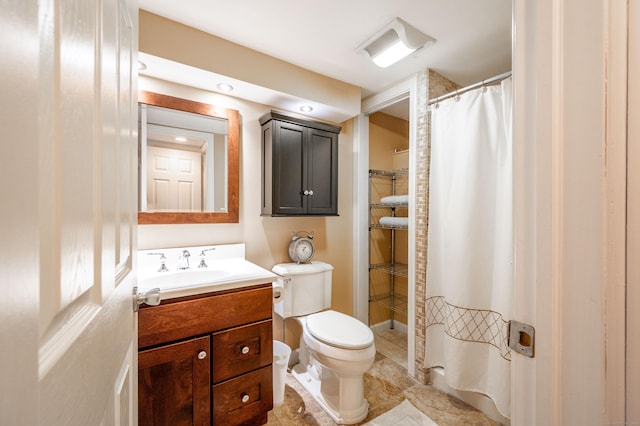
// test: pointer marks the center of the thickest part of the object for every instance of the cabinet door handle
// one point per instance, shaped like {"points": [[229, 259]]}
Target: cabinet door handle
{"points": [[311, 192], [202, 355], [245, 350], [306, 192], [245, 398]]}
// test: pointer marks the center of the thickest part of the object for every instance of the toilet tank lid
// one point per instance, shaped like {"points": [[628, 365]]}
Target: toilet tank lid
{"points": [[312, 267]]}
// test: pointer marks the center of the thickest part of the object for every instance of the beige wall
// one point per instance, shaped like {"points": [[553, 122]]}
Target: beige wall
{"points": [[266, 238], [167, 39], [386, 133]]}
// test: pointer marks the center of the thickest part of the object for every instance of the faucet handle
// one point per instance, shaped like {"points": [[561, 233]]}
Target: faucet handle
{"points": [[183, 260], [203, 255], [163, 260]]}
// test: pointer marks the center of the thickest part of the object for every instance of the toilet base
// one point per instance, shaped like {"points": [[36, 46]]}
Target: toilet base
{"points": [[313, 385]]}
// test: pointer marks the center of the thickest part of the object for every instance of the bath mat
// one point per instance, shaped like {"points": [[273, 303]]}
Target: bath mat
{"points": [[404, 414]]}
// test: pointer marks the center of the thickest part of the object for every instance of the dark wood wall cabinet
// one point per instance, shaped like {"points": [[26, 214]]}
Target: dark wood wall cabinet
{"points": [[299, 166], [206, 360]]}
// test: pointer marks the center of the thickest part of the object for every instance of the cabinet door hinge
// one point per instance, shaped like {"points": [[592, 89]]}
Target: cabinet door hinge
{"points": [[522, 338]]}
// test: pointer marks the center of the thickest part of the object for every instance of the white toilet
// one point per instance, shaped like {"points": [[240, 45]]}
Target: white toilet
{"points": [[335, 349]]}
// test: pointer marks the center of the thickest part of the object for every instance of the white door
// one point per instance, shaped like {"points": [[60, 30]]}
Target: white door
{"points": [[570, 116], [174, 180], [68, 193], [632, 366]]}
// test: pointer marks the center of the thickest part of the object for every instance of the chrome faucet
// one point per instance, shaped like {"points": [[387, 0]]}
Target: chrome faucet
{"points": [[183, 260], [163, 260], [203, 255]]}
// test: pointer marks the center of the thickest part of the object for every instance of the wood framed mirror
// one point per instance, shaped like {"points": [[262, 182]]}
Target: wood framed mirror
{"points": [[172, 146]]}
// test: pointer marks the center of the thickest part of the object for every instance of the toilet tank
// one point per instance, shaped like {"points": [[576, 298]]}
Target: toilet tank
{"points": [[305, 288]]}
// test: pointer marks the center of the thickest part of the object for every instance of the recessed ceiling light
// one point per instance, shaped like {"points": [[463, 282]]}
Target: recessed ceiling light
{"points": [[141, 66], [225, 87], [180, 139], [306, 108]]}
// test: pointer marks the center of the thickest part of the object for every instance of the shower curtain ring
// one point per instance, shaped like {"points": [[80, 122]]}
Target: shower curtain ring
{"points": [[456, 97], [484, 88]]}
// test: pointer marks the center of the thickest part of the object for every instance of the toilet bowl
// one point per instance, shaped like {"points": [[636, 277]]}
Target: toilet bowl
{"points": [[335, 349]]}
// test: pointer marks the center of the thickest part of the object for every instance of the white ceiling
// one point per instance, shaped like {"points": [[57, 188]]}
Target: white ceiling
{"points": [[473, 37]]}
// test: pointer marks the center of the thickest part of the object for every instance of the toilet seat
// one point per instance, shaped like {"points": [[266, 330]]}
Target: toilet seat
{"points": [[339, 330]]}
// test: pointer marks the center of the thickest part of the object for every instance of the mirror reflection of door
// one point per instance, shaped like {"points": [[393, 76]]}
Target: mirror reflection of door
{"points": [[183, 165], [174, 179]]}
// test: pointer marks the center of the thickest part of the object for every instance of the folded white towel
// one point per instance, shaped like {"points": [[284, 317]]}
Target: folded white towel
{"points": [[396, 200], [394, 221]]}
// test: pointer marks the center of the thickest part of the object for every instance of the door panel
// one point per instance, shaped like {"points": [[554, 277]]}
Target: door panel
{"points": [[563, 240], [323, 181], [174, 383], [88, 212], [174, 179], [633, 224], [289, 164]]}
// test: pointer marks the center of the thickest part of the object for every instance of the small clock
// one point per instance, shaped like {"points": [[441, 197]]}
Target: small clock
{"points": [[301, 248]]}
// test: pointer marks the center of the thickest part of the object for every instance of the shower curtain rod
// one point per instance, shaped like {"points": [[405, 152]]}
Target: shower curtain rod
{"points": [[486, 82]]}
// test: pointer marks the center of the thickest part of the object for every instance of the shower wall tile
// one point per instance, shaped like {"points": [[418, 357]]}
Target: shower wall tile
{"points": [[440, 85], [422, 181], [430, 85]]}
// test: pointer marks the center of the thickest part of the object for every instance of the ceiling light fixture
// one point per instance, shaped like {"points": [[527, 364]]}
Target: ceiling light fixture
{"points": [[395, 41], [224, 87], [306, 108], [180, 139]]}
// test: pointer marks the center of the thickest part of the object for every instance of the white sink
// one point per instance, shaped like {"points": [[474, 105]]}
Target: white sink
{"points": [[188, 277], [226, 269]]}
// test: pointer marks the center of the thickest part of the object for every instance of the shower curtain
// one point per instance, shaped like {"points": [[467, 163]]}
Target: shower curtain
{"points": [[470, 242]]}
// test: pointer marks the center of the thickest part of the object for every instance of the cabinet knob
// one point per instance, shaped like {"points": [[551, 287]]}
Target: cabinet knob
{"points": [[202, 355], [306, 192], [245, 350], [245, 398], [311, 192]]}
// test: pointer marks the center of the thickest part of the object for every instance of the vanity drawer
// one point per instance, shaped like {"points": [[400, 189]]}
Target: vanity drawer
{"points": [[178, 320], [241, 349], [244, 400]]}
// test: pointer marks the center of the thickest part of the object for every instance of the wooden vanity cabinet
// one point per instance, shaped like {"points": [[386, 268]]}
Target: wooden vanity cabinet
{"points": [[173, 384], [206, 360], [299, 166]]}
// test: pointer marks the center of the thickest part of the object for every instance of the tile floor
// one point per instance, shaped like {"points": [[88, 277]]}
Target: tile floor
{"points": [[387, 384], [392, 343]]}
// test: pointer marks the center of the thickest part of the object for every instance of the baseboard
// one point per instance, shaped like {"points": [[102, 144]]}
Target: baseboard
{"points": [[384, 325]]}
